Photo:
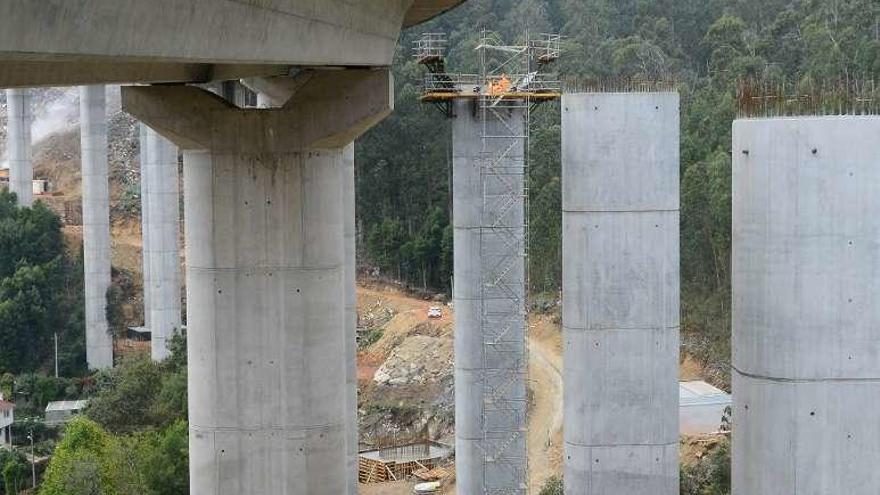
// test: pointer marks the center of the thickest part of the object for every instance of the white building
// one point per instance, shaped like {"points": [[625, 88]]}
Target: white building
{"points": [[701, 407], [6, 419], [61, 412]]}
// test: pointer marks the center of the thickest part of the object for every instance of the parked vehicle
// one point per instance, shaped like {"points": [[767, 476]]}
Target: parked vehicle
{"points": [[435, 312]]}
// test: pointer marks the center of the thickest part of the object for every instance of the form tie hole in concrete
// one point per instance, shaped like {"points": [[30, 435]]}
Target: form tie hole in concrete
{"points": [[595, 108], [219, 291], [597, 461], [297, 291], [746, 407], [849, 436], [850, 243], [812, 413], [596, 344], [245, 203], [746, 152], [815, 151]]}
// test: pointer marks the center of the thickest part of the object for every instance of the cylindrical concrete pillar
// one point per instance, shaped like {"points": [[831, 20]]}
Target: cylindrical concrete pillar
{"points": [[620, 252], [806, 273], [265, 318], [143, 129], [489, 299], [96, 224], [20, 116], [163, 203], [351, 382]]}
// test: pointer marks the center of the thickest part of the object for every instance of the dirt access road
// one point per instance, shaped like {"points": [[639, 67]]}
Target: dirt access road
{"points": [[545, 416]]}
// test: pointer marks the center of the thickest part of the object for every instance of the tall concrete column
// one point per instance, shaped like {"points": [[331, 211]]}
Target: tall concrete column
{"points": [[350, 282], [620, 255], [96, 224], [163, 205], [145, 220], [20, 116], [806, 274], [490, 445], [265, 240]]}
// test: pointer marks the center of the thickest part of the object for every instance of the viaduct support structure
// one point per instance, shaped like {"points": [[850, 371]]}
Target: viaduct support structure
{"points": [[488, 170], [620, 176], [160, 207], [18, 143], [96, 224], [265, 237], [806, 272], [351, 318]]}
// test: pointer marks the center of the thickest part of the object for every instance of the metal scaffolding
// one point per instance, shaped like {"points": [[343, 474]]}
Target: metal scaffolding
{"points": [[510, 83]]}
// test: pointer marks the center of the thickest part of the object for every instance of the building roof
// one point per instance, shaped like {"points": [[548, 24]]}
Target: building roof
{"points": [[699, 393], [67, 405], [6, 406]]}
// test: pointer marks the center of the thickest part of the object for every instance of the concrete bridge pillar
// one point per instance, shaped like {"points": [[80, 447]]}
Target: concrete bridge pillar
{"points": [[806, 273], [96, 224], [265, 240], [19, 117], [160, 206], [620, 281]]}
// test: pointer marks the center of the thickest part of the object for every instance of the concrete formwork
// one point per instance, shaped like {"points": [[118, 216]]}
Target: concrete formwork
{"points": [[265, 242], [620, 166], [161, 255], [96, 224], [806, 271], [502, 370], [20, 115], [350, 283]]}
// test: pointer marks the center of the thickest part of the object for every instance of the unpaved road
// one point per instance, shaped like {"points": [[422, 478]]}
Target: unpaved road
{"points": [[545, 416]]}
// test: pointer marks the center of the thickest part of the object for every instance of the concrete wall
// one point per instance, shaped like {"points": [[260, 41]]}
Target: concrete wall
{"points": [[351, 317], [473, 473], [161, 255], [96, 224], [620, 167], [806, 273], [20, 116]]}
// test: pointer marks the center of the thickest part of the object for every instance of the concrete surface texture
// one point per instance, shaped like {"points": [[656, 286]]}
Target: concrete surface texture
{"points": [[161, 255], [503, 369], [620, 186], [806, 271], [96, 224], [103, 41], [20, 116], [266, 256], [350, 287], [145, 220]]}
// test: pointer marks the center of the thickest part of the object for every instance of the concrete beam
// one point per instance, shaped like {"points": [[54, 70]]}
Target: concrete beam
{"points": [[277, 91], [423, 10], [16, 73], [331, 110], [285, 32]]}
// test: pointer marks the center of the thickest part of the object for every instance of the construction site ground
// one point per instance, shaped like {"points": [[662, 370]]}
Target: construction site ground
{"points": [[410, 317]]}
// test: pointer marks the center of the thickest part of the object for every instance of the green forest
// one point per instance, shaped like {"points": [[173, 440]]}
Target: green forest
{"points": [[706, 46]]}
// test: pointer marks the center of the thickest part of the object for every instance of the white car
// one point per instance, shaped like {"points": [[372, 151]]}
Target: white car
{"points": [[431, 487], [435, 312]]}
